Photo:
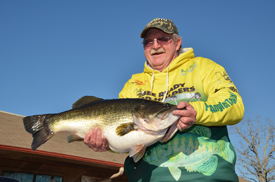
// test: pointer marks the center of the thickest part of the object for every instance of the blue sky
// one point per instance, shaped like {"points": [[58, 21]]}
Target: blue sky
{"points": [[54, 52]]}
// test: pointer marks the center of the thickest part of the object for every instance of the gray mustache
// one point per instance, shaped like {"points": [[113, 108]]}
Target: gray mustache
{"points": [[160, 50]]}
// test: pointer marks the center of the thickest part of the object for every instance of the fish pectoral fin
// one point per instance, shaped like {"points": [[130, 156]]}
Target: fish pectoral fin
{"points": [[74, 137], [84, 101], [125, 128], [137, 152], [136, 149]]}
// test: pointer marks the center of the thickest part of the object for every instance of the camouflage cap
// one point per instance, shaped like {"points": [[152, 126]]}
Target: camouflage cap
{"points": [[165, 25]]}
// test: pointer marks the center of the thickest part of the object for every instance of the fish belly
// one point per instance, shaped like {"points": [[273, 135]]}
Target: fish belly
{"points": [[133, 139]]}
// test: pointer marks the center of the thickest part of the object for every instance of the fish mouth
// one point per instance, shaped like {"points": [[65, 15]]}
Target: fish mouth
{"points": [[170, 131]]}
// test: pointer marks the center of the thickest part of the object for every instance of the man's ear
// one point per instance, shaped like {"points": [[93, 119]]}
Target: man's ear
{"points": [[178, 43]]}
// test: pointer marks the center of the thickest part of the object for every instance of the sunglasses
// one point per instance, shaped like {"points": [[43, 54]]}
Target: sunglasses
{"points": [[161, 41]]}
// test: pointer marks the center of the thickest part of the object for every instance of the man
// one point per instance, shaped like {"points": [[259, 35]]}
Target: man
{"points": [[201, 149]]}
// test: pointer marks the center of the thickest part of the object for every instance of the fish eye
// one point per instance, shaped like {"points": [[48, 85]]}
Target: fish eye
{"points": [[167, 105]]}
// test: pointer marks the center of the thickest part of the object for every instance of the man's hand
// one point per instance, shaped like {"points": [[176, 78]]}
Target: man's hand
{"points": [[95, 141], [187, 117]]}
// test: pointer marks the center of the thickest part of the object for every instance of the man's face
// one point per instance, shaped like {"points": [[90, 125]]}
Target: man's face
{"points": [[159, 56]]}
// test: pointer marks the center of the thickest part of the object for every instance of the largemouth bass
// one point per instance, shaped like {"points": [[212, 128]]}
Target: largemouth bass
{"points": [[130, 125]]}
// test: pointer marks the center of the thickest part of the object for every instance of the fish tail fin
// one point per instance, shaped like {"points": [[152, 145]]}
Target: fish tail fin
{"points": [[37, 125]]}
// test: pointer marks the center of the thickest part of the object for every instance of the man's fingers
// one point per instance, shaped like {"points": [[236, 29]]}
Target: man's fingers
{"points": [[91, 138], [184, 113], [98, 141], [182, 104], [105, 144], [87, 138], [187, 116], [184, 124], [95, 141]]}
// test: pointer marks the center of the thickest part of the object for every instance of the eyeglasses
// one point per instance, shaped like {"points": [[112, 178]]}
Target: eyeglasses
{"points": [[161, 41]]}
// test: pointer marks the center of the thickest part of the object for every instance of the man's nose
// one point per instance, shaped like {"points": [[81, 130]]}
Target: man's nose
{"points": [[156, 45]]}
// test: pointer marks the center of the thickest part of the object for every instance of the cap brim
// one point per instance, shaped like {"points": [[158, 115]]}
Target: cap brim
{"points": [[143, 33]]}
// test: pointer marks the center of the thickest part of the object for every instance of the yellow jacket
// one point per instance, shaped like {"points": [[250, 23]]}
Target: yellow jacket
{"points": [[202, 82], [204, 151]]}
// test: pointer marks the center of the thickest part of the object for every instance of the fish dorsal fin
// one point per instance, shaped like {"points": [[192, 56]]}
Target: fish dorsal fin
{"points": [[125, 128], [85, 100], [74, 137]]}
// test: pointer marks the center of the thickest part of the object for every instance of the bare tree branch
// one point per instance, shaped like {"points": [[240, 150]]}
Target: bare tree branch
{"points": [[257, 148]]}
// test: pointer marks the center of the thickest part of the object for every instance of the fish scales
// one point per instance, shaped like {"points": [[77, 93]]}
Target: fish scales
{"points": [[98, 115]]}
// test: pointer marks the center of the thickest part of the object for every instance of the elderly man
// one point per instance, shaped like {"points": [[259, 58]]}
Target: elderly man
{"points": [[201, 149]]}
